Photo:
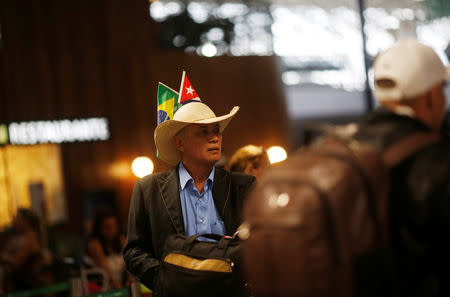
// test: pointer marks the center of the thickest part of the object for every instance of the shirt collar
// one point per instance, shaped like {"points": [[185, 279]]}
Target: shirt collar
{"points": [[185, 177]]}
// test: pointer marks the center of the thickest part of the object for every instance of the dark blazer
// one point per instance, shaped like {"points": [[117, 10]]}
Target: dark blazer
{"points": [[155, 212]]}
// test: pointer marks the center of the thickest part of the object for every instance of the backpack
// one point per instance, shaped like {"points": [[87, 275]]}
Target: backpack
{"points": [[318, 225], [190, 267]]}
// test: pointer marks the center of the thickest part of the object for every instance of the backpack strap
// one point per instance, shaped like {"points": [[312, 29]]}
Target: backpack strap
{"points": [[408, 146]]}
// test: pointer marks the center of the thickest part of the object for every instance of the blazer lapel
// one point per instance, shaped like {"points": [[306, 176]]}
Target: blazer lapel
{"points": [[170, 195], [221, 194]]}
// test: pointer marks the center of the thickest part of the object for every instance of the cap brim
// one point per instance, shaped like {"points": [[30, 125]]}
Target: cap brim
{"points": [[391, 94], [165, 132], [395, 94]]}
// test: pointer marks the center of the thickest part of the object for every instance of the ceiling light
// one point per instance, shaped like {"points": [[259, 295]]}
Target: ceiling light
{"points": [[142, 166], [276, 154]]}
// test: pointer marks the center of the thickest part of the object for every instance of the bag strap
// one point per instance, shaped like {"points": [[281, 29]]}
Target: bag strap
{"points": [[408, 146], [223, 242]]}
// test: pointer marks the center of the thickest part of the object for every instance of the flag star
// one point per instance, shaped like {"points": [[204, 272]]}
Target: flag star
{"points": [[189, 90]]}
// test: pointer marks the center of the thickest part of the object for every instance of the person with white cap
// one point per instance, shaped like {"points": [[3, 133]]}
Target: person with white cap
{"points": [[410, 81], [194, 197]]}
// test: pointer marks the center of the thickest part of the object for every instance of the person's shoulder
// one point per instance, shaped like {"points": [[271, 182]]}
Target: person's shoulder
{"points": [[237, 178], [151, 178], [430, 166], [150, 184], [242, 178], [437, 153]]}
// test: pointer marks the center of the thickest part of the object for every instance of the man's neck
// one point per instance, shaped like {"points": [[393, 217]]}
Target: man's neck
{"points": [[199, 173]]}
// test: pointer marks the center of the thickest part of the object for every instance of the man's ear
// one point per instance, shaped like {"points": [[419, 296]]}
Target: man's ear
{"points": [[178, 143], [434, 100], [429, 98]]}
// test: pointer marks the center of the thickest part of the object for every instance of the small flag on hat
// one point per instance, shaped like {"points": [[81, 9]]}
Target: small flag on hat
{"points": [[187, 92], [167, 103]]}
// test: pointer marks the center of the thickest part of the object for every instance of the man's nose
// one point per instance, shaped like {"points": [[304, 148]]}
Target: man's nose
{"points": [[214, 136]]}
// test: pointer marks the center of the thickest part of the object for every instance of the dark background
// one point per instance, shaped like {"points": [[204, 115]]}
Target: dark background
{"points": [[90, 58]]}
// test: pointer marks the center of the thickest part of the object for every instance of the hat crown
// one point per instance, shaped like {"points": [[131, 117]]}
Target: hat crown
{"points": [[412, 67], [192, 112]]}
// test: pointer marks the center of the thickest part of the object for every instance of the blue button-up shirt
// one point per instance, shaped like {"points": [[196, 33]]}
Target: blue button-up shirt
{"points": [[199, 212]]}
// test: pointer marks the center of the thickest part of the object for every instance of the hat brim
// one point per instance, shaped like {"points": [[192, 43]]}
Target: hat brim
{"points": [[395, 94], [165, 132]]}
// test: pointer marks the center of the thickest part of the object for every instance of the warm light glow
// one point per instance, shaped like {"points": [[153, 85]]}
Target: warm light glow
{"points": [[276, 154], [120, 169], [142, 166]]}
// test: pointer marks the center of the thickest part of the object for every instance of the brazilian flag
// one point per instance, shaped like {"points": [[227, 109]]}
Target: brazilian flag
{"points": [[167, 103]]}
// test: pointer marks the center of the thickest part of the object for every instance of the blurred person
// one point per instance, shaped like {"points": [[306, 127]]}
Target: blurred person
{"points": [[105, 248], [335, 211], [250, 159], [409, 84], [23, 258], [194, 197]]}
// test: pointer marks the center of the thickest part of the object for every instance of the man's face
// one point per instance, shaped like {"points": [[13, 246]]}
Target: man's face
{"points": [[200, 144]]}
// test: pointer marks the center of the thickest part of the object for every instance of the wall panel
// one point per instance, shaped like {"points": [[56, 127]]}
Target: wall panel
{"points": [[83, 58]]}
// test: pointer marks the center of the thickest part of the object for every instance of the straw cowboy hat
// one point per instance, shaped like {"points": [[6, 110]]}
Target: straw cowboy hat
{"points": [[190, 113]]}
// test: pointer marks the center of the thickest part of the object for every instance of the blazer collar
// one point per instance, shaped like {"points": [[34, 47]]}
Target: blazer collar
{"points": [[170, 194], [221, 192]]}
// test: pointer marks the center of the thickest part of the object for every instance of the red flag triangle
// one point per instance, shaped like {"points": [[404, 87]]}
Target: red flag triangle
{"points": [[187, 92]]}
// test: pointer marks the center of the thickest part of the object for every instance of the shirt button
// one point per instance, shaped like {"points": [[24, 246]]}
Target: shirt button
{"points": [[201, 220]]}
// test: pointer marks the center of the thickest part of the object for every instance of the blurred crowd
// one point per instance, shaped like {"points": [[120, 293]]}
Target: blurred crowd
{"points": [[30, 256]]}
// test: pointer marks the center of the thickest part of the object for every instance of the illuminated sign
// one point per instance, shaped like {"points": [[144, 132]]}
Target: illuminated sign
{"points": [[78, 130]]}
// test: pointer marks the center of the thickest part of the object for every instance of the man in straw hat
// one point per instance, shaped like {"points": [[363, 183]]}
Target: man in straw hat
{"points": [[409, 83], [194, 197]]}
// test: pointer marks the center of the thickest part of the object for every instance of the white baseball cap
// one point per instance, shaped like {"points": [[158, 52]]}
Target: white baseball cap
{"points": [[406, 70]]}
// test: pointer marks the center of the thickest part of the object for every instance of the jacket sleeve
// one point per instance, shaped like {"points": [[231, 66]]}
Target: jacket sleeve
{"points": [[138, 252]]}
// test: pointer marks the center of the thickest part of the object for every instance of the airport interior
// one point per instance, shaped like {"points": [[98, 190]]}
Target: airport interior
{"points": [[78, 104]]}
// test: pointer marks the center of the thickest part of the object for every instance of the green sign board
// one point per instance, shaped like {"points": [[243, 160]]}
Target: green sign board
{"points": [[4, 139]]}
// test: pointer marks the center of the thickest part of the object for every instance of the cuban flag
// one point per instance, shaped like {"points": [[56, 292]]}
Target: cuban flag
{"points": [[187, 93]]}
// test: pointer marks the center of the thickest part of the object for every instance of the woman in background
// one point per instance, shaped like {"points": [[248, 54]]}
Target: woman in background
{"points": [[24, 261], [105, 248], [249, 159]]}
